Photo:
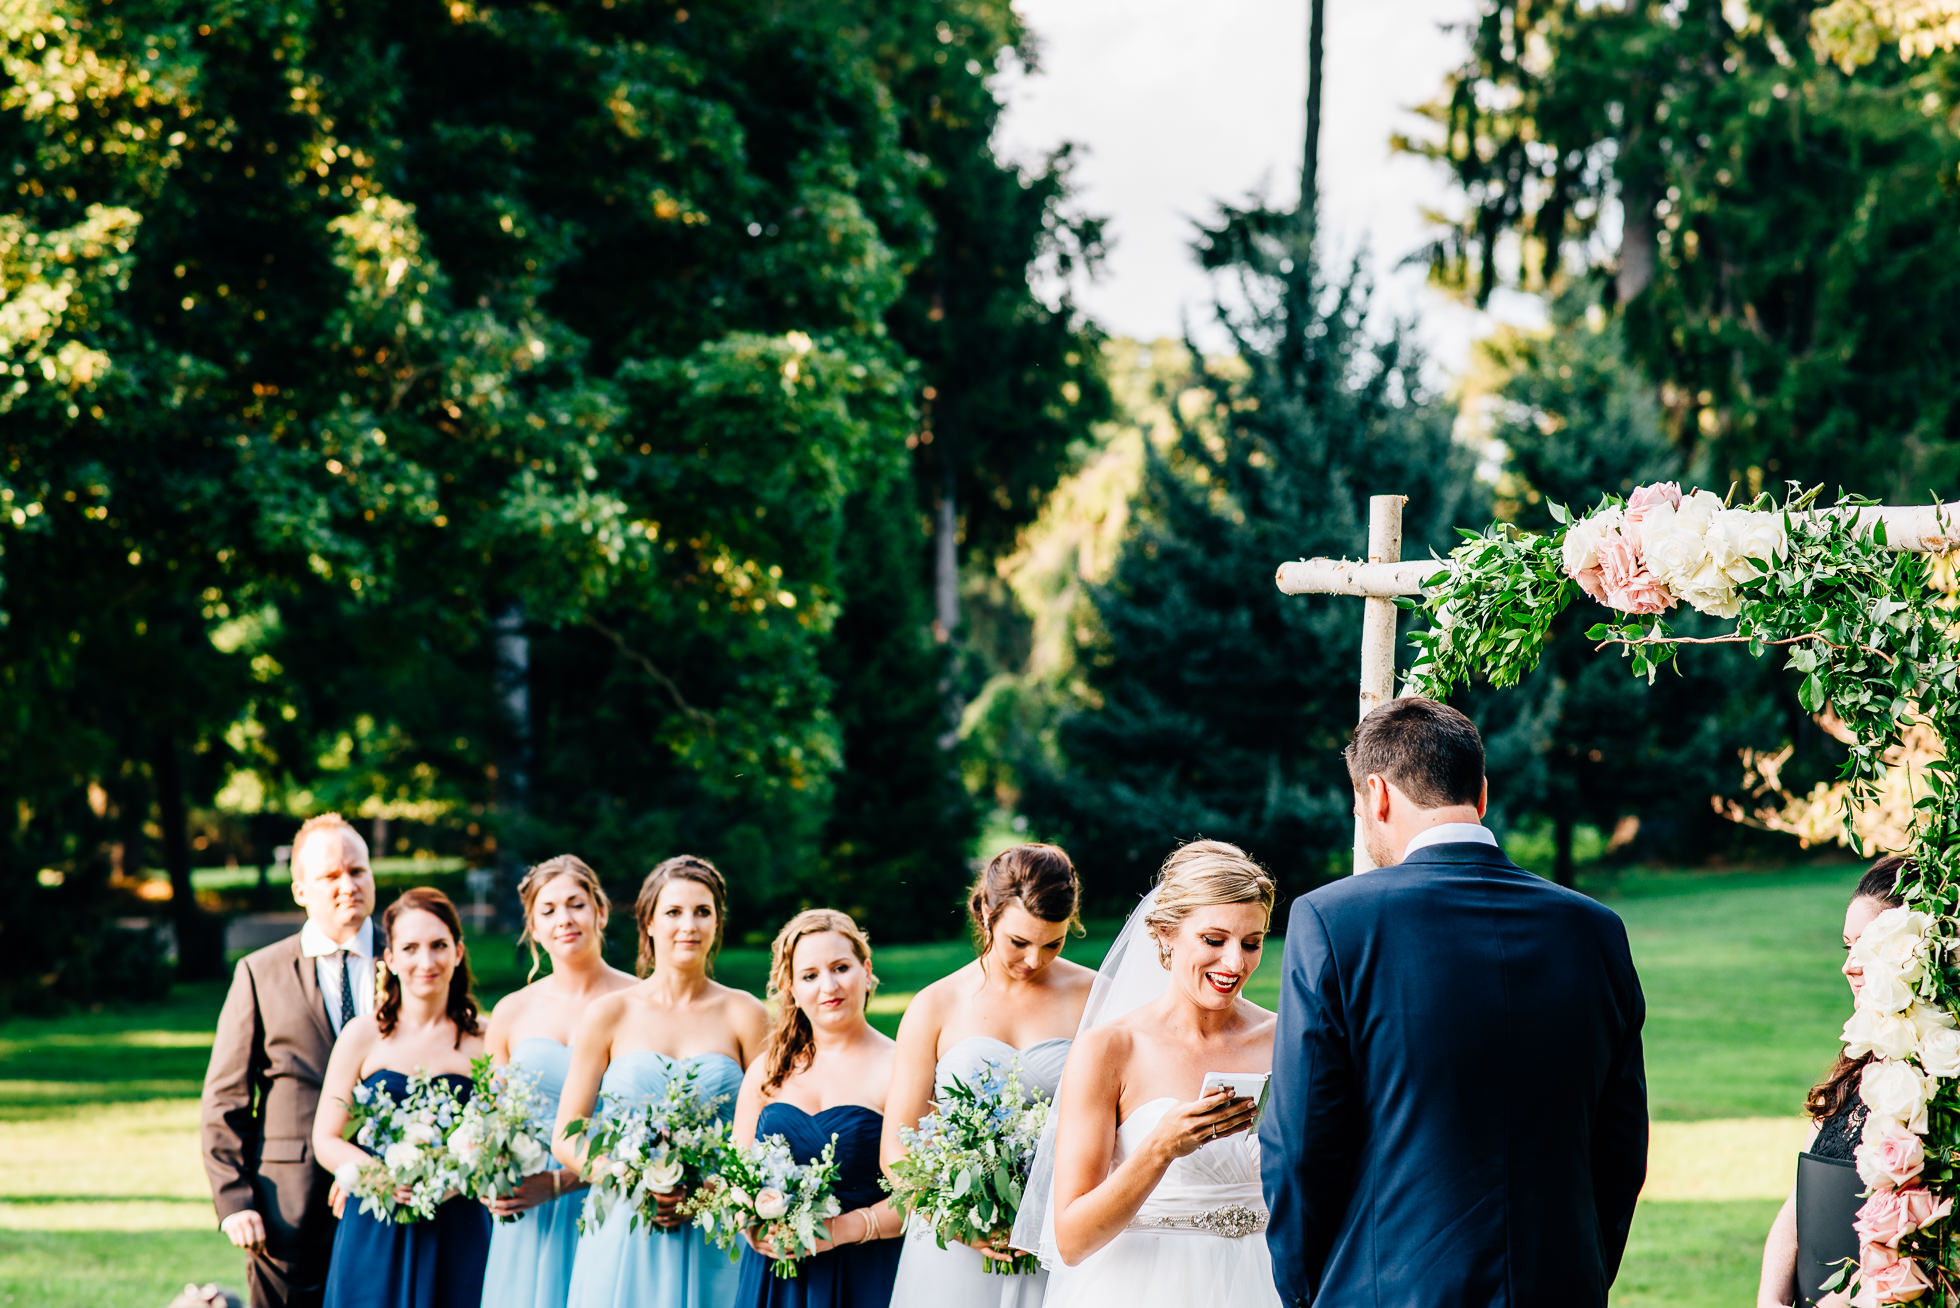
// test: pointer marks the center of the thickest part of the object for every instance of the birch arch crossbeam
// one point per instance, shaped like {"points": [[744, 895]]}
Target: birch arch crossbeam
{"points": [[1384, 576]]}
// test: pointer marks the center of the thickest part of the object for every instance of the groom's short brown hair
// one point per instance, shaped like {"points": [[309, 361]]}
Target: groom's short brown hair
{"points": [[1428, 751]]}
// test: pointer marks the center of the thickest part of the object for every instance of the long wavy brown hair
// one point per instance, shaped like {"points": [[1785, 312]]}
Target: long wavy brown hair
{"points": [[681, 867], [1829, 1097], [792, 1042], [460, 1005]]}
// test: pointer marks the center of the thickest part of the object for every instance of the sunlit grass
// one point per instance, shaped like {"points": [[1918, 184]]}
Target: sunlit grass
{"points": [[103, 1202]]}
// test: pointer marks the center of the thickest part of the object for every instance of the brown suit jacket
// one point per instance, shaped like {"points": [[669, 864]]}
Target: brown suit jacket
{"points": [[260, 1095]]}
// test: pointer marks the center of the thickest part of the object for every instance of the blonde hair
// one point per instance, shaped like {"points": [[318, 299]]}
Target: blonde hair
{"points": [[1203, 873], [326, 822], [792, 1043], [681, 867], [542, 875]]}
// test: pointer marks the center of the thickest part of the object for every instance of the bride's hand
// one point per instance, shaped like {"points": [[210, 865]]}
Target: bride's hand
{"points": [[1189, 1127]]}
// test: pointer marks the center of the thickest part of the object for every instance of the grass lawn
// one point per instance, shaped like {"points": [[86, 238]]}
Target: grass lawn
{"points": [[103, 1202]]}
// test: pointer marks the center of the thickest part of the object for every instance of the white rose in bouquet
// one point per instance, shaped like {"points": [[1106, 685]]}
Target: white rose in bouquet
{"points": [[622, 1170], [1581, 549], [664, 1174], [530, 1155], [1739, 540], [1896, 1091], [1888, 1035], [401, 1156], [465, 1143], [770, 1203], [348, 1177], [1939, 1051], [422, 1133]]}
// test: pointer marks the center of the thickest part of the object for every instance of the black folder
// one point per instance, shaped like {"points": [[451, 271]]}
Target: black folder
{"points": [[1829, 1195]]}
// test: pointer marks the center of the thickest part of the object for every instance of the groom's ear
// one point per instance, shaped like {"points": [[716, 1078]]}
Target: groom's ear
{"points": [[1483, 798], [1377, 796]]}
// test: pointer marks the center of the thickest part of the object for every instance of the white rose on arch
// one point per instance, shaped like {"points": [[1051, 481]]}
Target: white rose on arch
{"points": [[1884, 991], [1738, 538], [1897, 1091], [1581, 549], [1709, 591], [1939, 1052], [1888, 1035], [1895, 943]]}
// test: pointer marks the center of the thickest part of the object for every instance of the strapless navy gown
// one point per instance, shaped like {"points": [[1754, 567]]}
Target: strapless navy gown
{"points": [[433, 1264], [856, 1275]]}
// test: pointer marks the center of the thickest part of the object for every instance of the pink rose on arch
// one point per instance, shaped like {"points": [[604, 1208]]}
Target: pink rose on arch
{"points": [[1889, 1215], [1888, 1156], [1646, 497], [1593, 583], [1629, 586], [1898, 1280]]}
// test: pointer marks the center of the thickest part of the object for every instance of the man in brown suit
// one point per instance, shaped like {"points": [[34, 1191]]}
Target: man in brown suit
{"points": [[288, 1002]]}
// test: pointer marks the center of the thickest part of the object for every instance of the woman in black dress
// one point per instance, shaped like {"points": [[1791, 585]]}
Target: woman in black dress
{"points": [[1812, 1232]]}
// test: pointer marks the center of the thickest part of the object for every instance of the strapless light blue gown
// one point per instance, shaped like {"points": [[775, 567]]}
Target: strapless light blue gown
{"points": [[855, 1275], [531, 1258], [620, 1267], [953, 1277], [432, 1264]]}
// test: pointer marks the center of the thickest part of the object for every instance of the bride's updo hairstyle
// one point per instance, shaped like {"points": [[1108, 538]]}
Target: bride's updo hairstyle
{"points": [[681, 867], [1040, 876], [1198, 875], [792, 1044]]}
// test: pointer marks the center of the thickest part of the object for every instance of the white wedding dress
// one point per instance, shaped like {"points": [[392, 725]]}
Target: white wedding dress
{"points": [[1199, 1239]]}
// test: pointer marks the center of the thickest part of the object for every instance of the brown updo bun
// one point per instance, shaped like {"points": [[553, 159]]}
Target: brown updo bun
{"points": [[1040, 876]]}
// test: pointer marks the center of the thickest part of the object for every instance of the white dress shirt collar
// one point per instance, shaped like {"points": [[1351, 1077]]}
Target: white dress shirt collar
{"points": [[316, 943], [1451, 833]]}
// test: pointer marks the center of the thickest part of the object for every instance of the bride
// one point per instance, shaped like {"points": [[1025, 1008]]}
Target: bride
{"points": [[1155, 1187]]}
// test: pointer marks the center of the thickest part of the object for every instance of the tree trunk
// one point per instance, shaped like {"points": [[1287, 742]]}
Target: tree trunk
{"points": [[946, 592], [1310, 155], [1562, 849], [200, 936], [514, 765]]}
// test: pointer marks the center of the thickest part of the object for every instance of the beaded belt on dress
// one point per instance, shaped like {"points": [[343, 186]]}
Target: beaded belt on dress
{"points": [[1232, 1221]]}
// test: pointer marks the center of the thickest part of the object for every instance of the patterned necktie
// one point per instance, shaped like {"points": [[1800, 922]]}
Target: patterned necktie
{"points": [[346, 991]]}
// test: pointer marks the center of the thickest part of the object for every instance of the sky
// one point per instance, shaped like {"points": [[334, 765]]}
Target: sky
{"points": [[1174, 105]]}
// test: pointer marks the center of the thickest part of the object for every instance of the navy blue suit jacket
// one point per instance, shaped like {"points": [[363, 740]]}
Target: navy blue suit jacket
{"points": [[1458, 1113]]}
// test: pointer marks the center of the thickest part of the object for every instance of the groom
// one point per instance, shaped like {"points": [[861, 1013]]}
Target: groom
{"points": [[287, 1004], [1458, 1112]]}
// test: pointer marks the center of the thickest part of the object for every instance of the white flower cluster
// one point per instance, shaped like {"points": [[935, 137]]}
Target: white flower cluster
{"points": [[764, 1185], [1894, 1024], [641, 1150], [503, 1133], [407, 1139], [1686, 545], [965, 1165]]}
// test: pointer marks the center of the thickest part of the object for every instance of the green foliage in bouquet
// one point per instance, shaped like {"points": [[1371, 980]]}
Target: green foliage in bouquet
{"points": [[965, 1165]]}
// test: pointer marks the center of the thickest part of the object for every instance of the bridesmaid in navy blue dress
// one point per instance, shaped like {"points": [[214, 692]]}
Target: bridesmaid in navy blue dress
{"points": [[425, 1019], [824, 1073], [565, 911]]}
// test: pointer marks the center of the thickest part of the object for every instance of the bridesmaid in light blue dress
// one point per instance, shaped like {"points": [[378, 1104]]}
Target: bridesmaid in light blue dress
{"points": [[629, 1045], [565, 910], [1015, 1007], [824, 1076]]}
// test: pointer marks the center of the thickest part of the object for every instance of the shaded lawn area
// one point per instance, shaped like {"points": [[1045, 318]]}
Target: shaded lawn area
{"points": [[103, 1202]]}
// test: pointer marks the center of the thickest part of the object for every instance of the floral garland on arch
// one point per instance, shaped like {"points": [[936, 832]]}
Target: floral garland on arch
{"points": [[1869, 639]]}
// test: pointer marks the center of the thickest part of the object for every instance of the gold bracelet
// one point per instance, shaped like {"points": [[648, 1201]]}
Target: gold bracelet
{"points": [[557, 1183], [870, 1224]]}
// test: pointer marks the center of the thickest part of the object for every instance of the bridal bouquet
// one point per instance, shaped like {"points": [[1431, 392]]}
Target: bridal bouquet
{"points": [[408, 1141], [765, 1186], [637, 1152], [965, 1165], [504, 1133]]}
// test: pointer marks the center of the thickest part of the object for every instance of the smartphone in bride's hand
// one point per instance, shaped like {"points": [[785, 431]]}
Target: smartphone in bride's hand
{"points": [[1246, 1085]]}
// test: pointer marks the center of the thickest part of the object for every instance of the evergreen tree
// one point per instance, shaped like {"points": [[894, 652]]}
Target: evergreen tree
{"points": [[1212, 705]]}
